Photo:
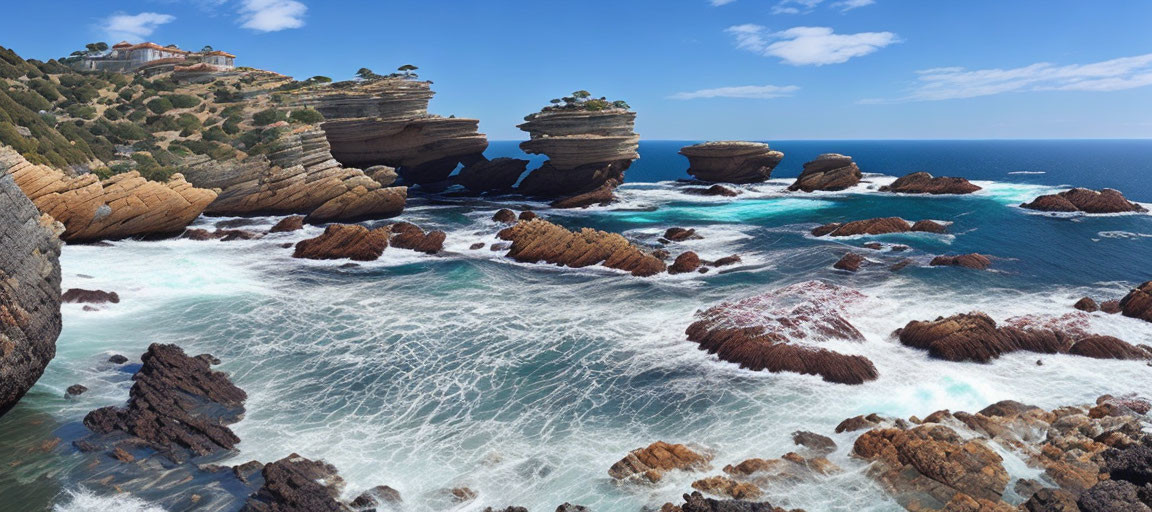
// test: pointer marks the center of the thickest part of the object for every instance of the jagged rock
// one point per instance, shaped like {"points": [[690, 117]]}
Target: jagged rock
{"points": [[724, 486], [830, 171], [1051, 500], [1107, 347], [350, 241], [79, 295], [287, 224], [686, 262], [178, 406], [822, 445], [1087, 304], [122, 206], [29, 292], [496, 175], [568, 507], [504, 215], [858, 423], [878, 226], [377, 495], [1138, 302], [297, 484], [652, 462], [406, 235], [731, 161], [779, 331], [1116, 496], [850, 262], [588, 151], [696, 502], [75, 390], [973, 261], [224, 235], [1132, 463], [382, 174], [681, 234], [539, 240], [925, 183], [714, 190], [601, 195], [1084, 200]]}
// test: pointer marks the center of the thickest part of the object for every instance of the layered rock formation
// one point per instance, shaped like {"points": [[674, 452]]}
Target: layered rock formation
{"points": [[29, 292], [830, 171], [1138, 302], [588, 151], [358, 243], [780, 331], [299, 175], [976, 337], [925, 183], [386, 122], [1085, 200], [879, 226], [652, 462], [731, 161], [539, 240], [124, 205]]}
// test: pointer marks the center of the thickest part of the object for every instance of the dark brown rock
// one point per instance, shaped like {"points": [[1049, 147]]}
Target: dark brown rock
{"points": [[850, 262], [504, 215], [1087, 304], [339, 241], [1138, 302], [1107, 347], [1051, 500], [714, 190], [928, 226], [1084, 200], [117, 359], [540, 240], [681, 234], [822, 445], [899, 265], [857, 423], [381, 494], [696, 502], [477, 246], [406, 235], [878, 226], [973, 261], [731, 161], [1115, 496], [75, 390], [495, 175], [1110, 306], [830, 171], [925, 183], [82, 296], [727, 260], [527, 215], [601, 195], [290, 223], [297, 484], [686, 262]]}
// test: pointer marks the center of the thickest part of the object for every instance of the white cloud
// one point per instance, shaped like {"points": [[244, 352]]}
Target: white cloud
{"points": [[809, 45], [718, 3], [806, 6], [744, 91], [956, 83], [848, 5], [134, 27], [272, 15]]}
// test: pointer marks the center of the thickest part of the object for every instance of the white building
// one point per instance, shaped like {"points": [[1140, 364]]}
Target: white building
{"points": [[126, 57]]}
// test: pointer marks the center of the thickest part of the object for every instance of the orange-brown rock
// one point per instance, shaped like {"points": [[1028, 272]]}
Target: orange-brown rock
{"points": [[1087, 304], [973, 261], [406, 235], [290, 223], [496, 175], [925, 183], [1138, 302], [731, 161], [686, 262], [1085, 200], [122, 206], [504, 215], [780, 331], [539, 240], [850, 262], [724, 486], [878, 226], [830, 171], [652, 462], [588, 153], [350, 241]]}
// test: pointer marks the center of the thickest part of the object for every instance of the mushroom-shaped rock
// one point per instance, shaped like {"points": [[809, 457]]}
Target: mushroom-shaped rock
{"points": [[925, 183], [830, 171], [731, 161], [540, 240], [652, 462], [1085, 200], [974, 261], [781, 330], [351, 241]]}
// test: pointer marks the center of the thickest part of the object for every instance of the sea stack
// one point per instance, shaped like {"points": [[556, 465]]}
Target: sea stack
{"points": [[386, 122], [830, 171], [1085, 200], [589, 144], [29, 292], [731, 161]]}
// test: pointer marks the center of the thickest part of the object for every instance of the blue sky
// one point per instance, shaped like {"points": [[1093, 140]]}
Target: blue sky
{"points": [[692, 69]]}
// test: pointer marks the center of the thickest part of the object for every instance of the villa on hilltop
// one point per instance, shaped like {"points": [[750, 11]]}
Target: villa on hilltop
{"points": [[126, 57]]}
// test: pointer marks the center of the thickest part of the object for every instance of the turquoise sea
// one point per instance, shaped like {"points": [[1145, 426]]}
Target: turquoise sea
{"points": [[526, 382]]}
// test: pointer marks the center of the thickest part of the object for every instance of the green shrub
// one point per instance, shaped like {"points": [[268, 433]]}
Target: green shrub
{"points": [[81, 111], [307, 116], [44, 88], [112, 114], [125, 131], [183, 100], [30, 99], [267, 117], [127, 93], [188, 122], [215, 134], [138, 115], [159, 105], [231, 126], [162, 124]]}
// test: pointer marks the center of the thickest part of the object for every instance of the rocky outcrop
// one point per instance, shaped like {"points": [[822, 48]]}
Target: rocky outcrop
{"points": [[80, 295], [686, 262], [780, 331], [29, 292], [830, 171], [588, 151], [731, 161], [386, 122], [976, 337], [299, 175], [850, 262], [406, 235], [297, 484], [496, 175], [1086, 304], [1138, 302], [287, 224], [878, 226], [1085, 200], [652, 462], [124, 205], [351, 241], [973, 261], [696, 502], [925, 183], [539, 240]]}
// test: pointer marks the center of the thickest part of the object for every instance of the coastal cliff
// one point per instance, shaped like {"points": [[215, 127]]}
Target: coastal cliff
{"points": [[386, 122], [731, 161], [29, 292]]}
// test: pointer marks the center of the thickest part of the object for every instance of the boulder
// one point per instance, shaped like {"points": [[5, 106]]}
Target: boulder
{"points": [[819, 444], [382, 174], [298, 484], [1087, 304], [696, 502], [29, 292], [79, 295], [850, 262], [686, 262], [539, 240], [1084, 200], [878, 226], [1138, 302], [681, 234], [601, 195], [1051, 500], [781, 331], [725, 261], [1110, 306], [381, 494], [925, 183], [504, 215], [406, 235], [75, 390], [830, 171], [339, 241], [714, 190], [652, 462], [973, 261], [290, 223], [724, 486], [731, 161]]}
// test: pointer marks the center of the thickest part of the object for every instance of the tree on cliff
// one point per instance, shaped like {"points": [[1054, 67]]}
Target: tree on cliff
{"points": [[96, 47], [581, 95], [407, 69], [367, 74], [207, 48]]}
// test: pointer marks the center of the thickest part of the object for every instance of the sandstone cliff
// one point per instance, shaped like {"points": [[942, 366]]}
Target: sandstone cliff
{"points": [[124, 205], [386, 122], [587, 151], [731, 161], [29, 292], [299, 175]]}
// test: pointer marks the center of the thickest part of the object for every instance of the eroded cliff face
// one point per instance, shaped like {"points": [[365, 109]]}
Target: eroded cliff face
{"points": [[588, 153], [299, 175], [29, 292], [386, 122], [122, 206]]}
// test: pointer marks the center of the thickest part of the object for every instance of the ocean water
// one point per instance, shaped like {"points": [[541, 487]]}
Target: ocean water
{"points": [[526, 382]]}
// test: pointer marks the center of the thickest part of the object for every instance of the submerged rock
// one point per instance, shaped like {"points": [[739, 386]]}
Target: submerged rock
{"points": [[925, 183], [75, 390], [1084, 200], [29, 292], [539, 240], [731, 161], [714, 190], [780, 331], [830, 171], [878, 226], [1138, 302], [973, 261], [80, 295], [652, 462], [339, 241]]}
